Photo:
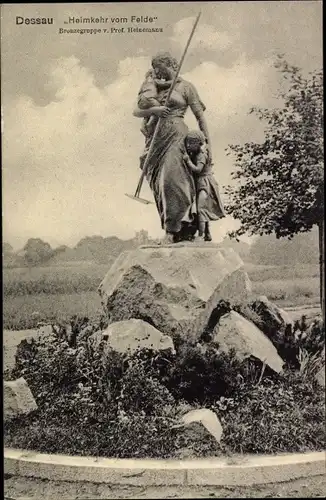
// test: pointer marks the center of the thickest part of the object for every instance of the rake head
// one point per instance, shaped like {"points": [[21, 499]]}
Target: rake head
{"points": [[141, 200]]}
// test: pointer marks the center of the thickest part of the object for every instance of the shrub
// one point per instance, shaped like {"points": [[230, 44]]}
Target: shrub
{"points": [[302, 338], [311, 336], [310, 364], [95, 401], [202, 373], [287, 415]]}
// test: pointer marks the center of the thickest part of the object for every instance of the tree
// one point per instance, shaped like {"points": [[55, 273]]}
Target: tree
{"points": [[9, 257], [279, 184], [37, 251], [7, 249]]}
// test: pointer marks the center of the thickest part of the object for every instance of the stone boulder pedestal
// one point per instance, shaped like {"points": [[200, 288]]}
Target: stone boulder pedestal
{"points": [[168, 286]]}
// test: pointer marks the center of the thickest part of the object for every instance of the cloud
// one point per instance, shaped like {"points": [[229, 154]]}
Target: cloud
{"points": [[68, 165], [206, 36]]}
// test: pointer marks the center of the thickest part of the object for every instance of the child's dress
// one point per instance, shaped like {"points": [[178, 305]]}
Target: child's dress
{"points": [[210, 207]]}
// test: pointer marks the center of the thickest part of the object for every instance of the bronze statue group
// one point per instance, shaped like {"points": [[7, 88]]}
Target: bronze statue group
{"points": [[179, 167]]}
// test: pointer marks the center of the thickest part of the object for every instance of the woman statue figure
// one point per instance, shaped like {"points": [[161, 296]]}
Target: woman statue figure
{"points": [[168, 175]]}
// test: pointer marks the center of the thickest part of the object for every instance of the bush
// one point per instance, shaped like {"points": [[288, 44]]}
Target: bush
{"points": [[94, 401], [276, 416], [201, 374], [302, 338]]}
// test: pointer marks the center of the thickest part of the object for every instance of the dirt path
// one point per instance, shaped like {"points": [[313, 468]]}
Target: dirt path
{"points": [[23, 489], [309, 311]]}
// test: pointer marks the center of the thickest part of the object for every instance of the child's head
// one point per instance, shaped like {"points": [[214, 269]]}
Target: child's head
{"points": [[195, 139]]}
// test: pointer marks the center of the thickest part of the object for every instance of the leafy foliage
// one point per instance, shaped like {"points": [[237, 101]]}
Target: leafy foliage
{"points": [[280, 182], [304, 342], [92, 400], [94, 249], [275, 416], [37, 251], [95, 401]]}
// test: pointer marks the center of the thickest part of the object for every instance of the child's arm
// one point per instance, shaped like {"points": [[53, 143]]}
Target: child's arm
{"points": [[147, 102], [196, 169], [160, 111]]}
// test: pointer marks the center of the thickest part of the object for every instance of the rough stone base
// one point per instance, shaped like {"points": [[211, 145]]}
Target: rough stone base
{"points": [[169, 285], [18, 399]]}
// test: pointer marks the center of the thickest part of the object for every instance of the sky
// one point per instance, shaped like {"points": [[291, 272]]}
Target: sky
{"points": [[70, 144]]}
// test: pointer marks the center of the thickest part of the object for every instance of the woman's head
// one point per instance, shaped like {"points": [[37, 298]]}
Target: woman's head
{"points": [[164, 65], [194, 140]]}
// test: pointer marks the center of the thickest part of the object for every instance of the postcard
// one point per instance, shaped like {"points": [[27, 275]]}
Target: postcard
{"points": [[163, 248]]}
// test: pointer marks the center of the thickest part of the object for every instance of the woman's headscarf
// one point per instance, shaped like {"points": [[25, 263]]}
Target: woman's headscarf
{"points": [[166, 59], [169, 61], [196, 135]]}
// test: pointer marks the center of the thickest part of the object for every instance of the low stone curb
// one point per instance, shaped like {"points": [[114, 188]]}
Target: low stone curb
{"points": [[234, 471]]}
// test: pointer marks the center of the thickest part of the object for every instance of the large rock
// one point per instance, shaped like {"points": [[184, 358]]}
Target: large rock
{"points": [[12, 339], [18, 399], [235, 288], [233, 331], [207, 418], [130, 335], [139, 296], [197, 268], [197, 426], [167, 286], [273, 319]]}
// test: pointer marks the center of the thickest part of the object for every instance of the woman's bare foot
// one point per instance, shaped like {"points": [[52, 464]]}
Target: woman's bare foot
{"points": [[168, 239]]}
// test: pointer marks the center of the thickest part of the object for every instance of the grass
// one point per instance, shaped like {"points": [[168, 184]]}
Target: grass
{"points": [[288, 292], [53, 280], [265, 273], [60, 292], [24, 312]]}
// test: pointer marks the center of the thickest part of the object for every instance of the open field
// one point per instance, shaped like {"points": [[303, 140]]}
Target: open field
{"points": [[57, 293], [86, 277], [53, 280]]}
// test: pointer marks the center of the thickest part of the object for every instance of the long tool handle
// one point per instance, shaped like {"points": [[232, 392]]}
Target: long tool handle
{"points": [[140, 183]]}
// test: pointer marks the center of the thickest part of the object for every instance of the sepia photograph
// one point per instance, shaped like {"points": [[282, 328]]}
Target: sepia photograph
{"points": [[163, 250]]}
